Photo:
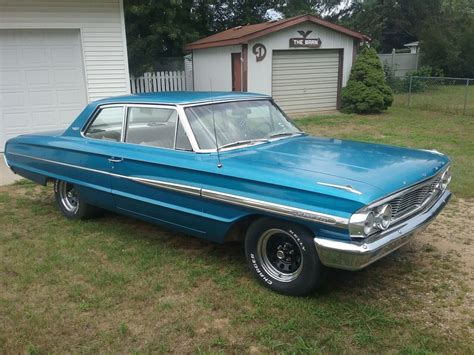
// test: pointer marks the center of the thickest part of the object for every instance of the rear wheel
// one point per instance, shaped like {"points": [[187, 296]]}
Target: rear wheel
{"points": [[70, 202], [283, 257]]}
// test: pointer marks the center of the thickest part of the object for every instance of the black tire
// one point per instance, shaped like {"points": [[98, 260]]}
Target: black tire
{"points": [[283, 257], [70, 203]]}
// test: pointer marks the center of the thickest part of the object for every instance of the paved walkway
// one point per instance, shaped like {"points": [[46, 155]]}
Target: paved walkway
{"points": [[6, 175]]}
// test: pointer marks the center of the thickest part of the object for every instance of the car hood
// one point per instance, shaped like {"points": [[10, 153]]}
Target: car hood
{"points": [[374, 170]]}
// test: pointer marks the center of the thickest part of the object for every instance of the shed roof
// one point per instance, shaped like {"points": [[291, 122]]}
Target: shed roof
{"points": [[243, 34]]}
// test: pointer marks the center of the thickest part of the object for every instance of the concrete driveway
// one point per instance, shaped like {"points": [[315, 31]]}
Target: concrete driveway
{"points": [[6, 175]]}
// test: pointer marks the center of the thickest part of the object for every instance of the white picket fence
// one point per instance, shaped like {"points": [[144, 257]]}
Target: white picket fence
{"points": [[159, 81]]}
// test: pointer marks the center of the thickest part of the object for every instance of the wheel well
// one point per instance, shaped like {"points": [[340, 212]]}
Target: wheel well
{"points": [[49, 180], [239, 229]]}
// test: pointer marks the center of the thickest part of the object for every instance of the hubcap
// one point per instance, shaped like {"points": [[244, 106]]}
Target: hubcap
{"points": [[68, 196], [280, 255]]}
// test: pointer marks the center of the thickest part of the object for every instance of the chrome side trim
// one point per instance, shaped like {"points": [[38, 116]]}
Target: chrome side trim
{"points": [[156, 183], [219, 196], [347, 188], [190, 190], [64, 164], [275, 208]]}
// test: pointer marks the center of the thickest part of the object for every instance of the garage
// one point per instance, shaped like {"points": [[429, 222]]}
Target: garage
{"points": [[43, 82], [55, 57], [302, 61], [305, 81]]}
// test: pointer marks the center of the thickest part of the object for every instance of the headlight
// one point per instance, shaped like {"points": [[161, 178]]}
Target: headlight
{"points": [[383, 216], [445, 179], [362, 224], [369, 223]]}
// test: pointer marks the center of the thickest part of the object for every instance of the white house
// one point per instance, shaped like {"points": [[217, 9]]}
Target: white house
{"points": [[413, 46], [55, 56], [302, 61]]}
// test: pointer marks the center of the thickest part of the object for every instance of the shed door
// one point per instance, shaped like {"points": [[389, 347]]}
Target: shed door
{"points": [[42, 84], [236, 72], [306, 81]]}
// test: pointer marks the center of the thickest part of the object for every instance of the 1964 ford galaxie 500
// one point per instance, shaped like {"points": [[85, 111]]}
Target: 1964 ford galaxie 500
{"points": [[222, 166]]}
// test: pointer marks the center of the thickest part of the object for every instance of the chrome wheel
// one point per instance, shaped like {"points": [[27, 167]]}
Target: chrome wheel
{"points": [[280, 255], [68, 196]]}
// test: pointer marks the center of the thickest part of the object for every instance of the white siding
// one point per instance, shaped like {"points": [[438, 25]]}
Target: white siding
{"points": [[260, 73], [102, 30], [213, 67]]}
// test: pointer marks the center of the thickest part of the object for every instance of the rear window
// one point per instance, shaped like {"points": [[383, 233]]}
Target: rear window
{"points": [[107, 124]]}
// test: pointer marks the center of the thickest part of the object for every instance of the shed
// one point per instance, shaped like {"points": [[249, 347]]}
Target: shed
{"points": [[55, 57], [303, 61]]}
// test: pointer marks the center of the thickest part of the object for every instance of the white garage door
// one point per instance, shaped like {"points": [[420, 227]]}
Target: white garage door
{"points": [[41, 80], [305, 81]]}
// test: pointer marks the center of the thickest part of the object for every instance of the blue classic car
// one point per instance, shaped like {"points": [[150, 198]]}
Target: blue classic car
{"points": [[227, 166]]}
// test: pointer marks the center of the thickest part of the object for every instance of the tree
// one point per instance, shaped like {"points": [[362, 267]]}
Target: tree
{"points": [[366, 90], [447, 42], [156, 29], [160, 28], [390, 23], [290, 8]]}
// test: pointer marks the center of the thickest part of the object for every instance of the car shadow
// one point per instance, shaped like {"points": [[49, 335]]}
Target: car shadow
{"points": [[232, 253]]}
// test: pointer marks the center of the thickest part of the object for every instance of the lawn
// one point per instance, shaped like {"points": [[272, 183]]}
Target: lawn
{"points": [[118, 285], [438, 96]]}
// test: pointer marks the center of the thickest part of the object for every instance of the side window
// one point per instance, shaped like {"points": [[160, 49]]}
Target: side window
{"points": [[156, 127], [107, 124], [182, 140], [151, 126]]}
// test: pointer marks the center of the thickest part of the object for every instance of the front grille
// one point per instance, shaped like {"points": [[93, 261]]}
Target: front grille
{"points": [[414, 198]]}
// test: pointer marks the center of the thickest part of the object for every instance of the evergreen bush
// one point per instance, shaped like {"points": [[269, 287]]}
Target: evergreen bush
{"points": [[366, 90]]}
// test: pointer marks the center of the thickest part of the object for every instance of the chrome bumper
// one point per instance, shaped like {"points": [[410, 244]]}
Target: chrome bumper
{"points": [[356, 255]]}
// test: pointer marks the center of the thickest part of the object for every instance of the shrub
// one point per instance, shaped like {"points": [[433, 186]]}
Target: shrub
{"points": [[402, 84], [366, 90]]}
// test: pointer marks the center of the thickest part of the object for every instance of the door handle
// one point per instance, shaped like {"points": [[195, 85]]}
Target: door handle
{"points": [[115, 160]]}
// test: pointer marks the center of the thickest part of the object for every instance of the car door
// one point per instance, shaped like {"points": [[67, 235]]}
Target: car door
{"points": [[156, 175], [94, 153]]}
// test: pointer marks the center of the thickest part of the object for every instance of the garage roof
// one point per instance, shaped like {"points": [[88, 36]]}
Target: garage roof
{"points": [[243, 34]]}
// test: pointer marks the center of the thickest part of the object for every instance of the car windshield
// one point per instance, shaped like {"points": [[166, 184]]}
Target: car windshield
{"points": [[238, 123]]}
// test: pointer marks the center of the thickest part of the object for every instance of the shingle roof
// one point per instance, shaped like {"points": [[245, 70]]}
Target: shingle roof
{"points": [[243, 34]]}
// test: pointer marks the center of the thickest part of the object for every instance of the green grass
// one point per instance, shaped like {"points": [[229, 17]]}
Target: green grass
{"points": [[441, 98], [447, 133], [116, 284]]}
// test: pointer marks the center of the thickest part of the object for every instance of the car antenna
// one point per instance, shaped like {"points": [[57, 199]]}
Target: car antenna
{"points": [[219, 163]]}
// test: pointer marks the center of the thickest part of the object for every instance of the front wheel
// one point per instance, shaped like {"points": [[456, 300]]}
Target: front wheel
{"points": [[282, 256], [70, 202]]}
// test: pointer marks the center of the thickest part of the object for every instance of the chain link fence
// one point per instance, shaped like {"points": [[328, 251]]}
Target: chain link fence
{"points": [[441, 94]]}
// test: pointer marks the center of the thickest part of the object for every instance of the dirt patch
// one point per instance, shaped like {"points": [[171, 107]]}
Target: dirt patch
{"points": [[453, 232]]}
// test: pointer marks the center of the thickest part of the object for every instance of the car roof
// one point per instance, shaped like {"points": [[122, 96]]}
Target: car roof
{"points": [[181, 97]]}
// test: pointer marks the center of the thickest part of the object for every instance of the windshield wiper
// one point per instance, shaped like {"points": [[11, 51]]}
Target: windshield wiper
{"points": [[286, 134], [248, 141]]}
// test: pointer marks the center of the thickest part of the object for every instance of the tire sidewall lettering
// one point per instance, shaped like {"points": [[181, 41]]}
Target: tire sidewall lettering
{"points": [[298, 240], [259, 272]]}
